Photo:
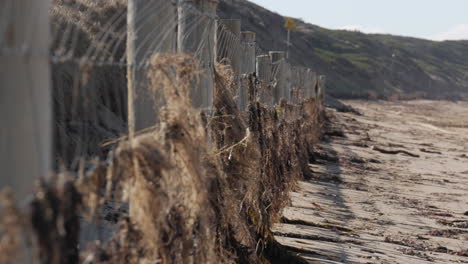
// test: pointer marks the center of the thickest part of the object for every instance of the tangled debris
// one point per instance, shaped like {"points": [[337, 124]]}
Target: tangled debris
{"points": [[11, 228], [200, 188]]}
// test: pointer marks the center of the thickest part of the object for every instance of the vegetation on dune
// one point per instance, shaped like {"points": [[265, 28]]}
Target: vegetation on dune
{"points": [[359, 64]]}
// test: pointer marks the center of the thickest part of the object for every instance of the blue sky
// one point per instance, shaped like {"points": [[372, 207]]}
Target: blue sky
{"points": [[430, 19]]}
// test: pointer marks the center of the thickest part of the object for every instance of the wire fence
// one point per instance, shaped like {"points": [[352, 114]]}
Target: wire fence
{"points": [[98, 54], [145, 115]]}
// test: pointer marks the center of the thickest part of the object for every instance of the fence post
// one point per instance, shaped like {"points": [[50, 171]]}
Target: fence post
{"points": [[304, 83], [248, 52], [297, 84], [278, 59], [263, 69], [228, 43], [147, 35], [287, 92], [196, 35], [25, 95], [228, 50], [247, 66], [309, 84], [322, 84]]}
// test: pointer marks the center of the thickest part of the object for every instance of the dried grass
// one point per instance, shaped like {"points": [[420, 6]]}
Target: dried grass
{"points": [[11, 228], [201, 188], [55, 223], [205, 190], [262, 164]]}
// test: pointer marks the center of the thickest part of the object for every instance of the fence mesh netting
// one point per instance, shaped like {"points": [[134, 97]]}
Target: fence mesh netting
{"points": [[146, 132]]}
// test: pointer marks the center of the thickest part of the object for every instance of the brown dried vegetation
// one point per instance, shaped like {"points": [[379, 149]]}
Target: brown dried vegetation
{"points": [[199, 191], [201, 188]]}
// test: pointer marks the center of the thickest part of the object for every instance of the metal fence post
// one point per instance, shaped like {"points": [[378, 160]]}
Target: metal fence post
{"points": [[25, 95]]}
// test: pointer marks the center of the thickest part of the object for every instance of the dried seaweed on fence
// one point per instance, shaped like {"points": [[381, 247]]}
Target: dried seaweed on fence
{"points": [[168, 199], [193, 198], [240, 163], [258, 166], [190, 201], [55, 221], [11, 229]]}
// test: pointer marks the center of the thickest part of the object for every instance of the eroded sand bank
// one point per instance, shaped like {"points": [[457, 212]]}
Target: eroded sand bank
{"points": [[392, 188]]}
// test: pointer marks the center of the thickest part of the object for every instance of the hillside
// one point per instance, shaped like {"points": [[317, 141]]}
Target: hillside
{"points": [[360, 64]]}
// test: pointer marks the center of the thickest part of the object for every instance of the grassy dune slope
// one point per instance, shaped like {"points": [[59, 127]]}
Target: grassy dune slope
{"points": [[361, 64]]}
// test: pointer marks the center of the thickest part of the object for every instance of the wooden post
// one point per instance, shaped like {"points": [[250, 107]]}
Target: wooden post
{"points": [[322, 85], [247, 66], [196, 35], [248, 52], [25, 95], [229, 30], [228, 47], [304, 80], [306, 85], [148, 34], [297, 84], [287, 92], [263, 69], [314, 80], [278, 59], [309, 83]]}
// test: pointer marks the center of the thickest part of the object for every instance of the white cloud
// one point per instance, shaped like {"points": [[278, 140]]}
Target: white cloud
{"points": [[458, 32], [363, 29]]}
